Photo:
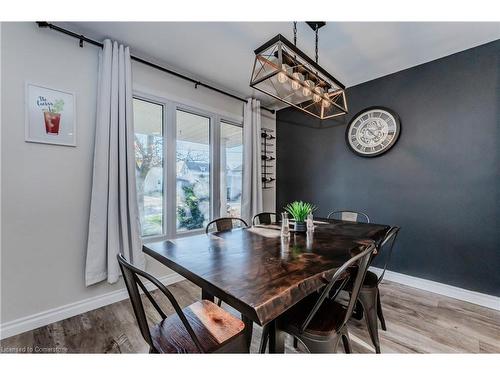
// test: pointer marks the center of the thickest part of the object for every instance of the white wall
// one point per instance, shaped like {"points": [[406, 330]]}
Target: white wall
{"points": [[46, 189]]}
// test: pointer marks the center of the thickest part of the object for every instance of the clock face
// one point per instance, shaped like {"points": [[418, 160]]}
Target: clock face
{"points": [[373, 131]]}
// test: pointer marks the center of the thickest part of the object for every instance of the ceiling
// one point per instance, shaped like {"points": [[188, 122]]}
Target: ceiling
{"points": [[221, 53]]}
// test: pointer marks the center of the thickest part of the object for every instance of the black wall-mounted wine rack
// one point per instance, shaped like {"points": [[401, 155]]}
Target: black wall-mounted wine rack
{"points": [[267, 157]]}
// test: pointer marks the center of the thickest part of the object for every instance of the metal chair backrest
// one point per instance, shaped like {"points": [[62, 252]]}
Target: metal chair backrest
{"points": [[361, 261], [132, 281], [387, 243], [224, 224], [265, 218], [349, 215]]}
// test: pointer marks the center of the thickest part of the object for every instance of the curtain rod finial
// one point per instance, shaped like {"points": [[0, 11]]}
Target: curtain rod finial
{"points": [[43, 24]]}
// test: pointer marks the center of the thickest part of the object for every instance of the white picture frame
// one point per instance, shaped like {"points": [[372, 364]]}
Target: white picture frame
{"points": [[50, 115]]}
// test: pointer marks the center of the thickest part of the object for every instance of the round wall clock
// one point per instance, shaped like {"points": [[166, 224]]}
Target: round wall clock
{"points": [[373, 131]]}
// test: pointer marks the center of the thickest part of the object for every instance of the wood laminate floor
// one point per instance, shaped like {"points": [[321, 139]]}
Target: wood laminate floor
{"points": [[417, 322]]}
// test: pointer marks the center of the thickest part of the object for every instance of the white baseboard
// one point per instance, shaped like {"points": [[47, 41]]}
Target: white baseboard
{"points": [[43, 318], [480, 299]]}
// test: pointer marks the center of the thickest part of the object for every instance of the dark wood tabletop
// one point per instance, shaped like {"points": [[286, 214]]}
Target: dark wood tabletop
{"points": [[259, 273]]}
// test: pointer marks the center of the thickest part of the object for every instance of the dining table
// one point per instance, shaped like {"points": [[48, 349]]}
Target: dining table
{"points": [[261, 273]]}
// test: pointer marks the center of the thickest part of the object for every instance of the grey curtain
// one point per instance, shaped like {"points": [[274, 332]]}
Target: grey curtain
{"points": [[251, 202], [114, 225]]}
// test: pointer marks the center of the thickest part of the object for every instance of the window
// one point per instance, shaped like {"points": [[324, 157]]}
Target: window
{"points": [[192, 171], [189, 167], [231, 169], [149, 149]]}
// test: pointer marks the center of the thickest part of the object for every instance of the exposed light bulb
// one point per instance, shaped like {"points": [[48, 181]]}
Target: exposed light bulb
{"points": [[317, 96], [326, 103], [282, 77], [297, 79], [307, 89]]}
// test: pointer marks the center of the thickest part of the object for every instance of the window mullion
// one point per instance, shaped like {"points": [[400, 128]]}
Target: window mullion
{"points": [[170, 169], [215, 170]]}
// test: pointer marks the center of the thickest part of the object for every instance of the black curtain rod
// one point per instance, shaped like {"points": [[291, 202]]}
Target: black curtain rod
{"points": [[197, 83]]}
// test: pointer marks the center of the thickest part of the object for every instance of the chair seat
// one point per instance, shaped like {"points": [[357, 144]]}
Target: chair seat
{"points": [[213, 326], [326, 322]]}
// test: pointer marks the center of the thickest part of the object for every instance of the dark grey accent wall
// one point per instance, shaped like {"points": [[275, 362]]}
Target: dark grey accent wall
{"points": [[440, 182]]}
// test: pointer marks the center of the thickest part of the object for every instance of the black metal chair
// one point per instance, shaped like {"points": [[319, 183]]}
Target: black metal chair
{"points": [[224, 224], [349, 215], [369, 297], [202, 327], [320, 321], [346, 215], [265, 218]]}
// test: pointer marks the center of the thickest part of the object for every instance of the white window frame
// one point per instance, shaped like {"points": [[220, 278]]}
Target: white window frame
{"points": [[234, 123], [169, 132], [154, 100]]}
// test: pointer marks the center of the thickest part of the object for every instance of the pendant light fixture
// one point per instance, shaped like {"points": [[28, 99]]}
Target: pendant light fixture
{"points": [[284, 72]]}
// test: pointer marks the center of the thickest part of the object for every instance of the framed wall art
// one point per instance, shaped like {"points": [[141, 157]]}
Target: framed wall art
{"points": [[50, 116]]}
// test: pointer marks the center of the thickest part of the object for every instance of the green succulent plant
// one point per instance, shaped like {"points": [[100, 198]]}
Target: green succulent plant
{"points": [[299, 210]]}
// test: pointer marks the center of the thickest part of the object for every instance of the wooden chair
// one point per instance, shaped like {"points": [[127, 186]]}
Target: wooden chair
{"points": [[349, 215], [202, 327], [320, 321], [265, 218], [224, 224], [369, 296]]}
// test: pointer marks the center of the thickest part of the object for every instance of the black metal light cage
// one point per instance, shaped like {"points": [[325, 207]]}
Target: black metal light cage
{"points": [[286, 73]]}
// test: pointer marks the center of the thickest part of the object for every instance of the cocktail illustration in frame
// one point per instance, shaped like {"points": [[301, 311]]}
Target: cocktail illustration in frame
{"points": [[50, 116]]}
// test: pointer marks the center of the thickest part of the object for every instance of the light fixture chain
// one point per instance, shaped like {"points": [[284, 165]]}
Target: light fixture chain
{"points": [[316, 43], [295, 33]]}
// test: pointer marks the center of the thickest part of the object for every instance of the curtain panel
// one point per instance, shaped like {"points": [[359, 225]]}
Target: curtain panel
{"points": [[114, 224], [251, 203]]}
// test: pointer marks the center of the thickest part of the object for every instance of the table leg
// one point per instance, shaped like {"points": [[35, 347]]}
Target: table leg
{"points": [[248, 330], [264, 339], [206, 295], [276, 339]]}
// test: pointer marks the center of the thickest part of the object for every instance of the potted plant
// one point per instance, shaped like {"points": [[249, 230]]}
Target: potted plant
{"points": [[299, 211], [52, 117]]}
